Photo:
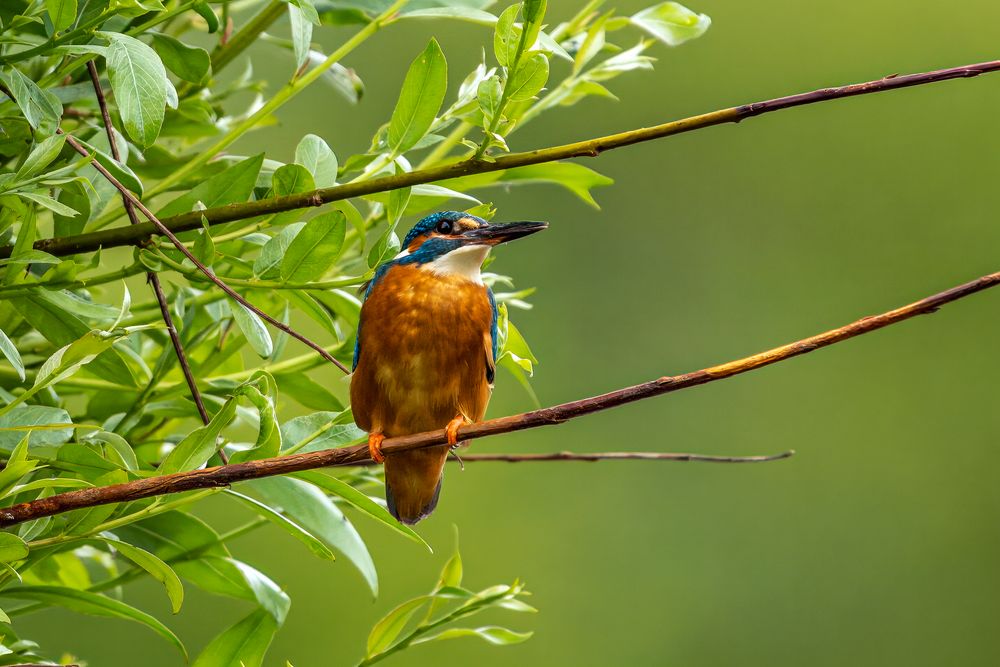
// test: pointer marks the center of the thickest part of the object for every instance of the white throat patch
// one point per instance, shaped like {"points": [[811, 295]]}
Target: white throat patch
{"points": [[464, 262]]}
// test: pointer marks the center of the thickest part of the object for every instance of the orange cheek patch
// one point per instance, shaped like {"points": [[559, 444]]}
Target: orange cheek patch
{"points": [[417, 242]]}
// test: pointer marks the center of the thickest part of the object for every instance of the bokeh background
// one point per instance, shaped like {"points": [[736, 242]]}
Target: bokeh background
{"points": [[878, 543]]}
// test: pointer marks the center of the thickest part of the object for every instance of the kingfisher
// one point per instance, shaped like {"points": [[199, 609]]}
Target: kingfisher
{"points": [[426, 350]]}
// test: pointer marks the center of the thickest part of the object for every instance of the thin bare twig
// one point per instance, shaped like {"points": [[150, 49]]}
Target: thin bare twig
{"points": [[151, 277], [625, 456], [79, 148], [225, 475], [117, 236]]}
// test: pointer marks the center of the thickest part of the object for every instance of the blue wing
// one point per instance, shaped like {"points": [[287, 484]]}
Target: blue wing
{"points": [[368, 290], [491, 368]]}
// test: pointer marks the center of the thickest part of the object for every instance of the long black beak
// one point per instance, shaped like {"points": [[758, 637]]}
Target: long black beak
{"points": [[501, 233]]}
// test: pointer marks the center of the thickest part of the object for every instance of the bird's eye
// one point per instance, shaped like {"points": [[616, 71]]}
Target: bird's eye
{"points": [[444, 227]]}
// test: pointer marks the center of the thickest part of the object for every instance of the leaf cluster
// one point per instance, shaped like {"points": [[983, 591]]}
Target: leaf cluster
{"points": [[91, 392]]}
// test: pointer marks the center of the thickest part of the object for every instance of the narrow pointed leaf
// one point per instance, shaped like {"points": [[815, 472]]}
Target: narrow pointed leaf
{"points": [[85, 602], [253, 328], [392, 624], [287, 525], [360, 501], [242, 645], [154, 566], [419, 100]]}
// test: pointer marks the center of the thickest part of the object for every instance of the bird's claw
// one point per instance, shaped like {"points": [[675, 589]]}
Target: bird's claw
{"points": [[452, 430], [375, 447]]}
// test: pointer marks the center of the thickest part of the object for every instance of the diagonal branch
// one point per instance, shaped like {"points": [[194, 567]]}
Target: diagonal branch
{"points": [[590, 148], [151, 277], [225, 475], [201, 267]]}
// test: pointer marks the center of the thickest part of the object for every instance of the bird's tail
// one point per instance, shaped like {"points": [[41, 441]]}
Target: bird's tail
{"points": [[413, 482]]}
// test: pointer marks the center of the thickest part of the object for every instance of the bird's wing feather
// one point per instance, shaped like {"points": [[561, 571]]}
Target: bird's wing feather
{"points": [[491, 359], [367, 289]]}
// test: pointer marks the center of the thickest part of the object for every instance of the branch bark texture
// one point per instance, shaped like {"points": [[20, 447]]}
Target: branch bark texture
{"points": [[151, 276], [221, 476], [590, 148]]}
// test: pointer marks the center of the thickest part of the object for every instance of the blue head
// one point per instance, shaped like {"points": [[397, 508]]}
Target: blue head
{"points": [[453, 239]]}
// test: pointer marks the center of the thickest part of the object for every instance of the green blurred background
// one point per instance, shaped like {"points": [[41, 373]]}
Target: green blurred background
{"points": [[878, 543]]}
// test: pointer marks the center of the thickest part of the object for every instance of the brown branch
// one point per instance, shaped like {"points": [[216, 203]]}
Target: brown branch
{"points": [[590, 148], [151, 277], [201, 267], [225, 475]]}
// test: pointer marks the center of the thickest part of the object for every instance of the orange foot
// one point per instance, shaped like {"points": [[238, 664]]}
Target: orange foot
{"points": [[375, 447], [452, 429]]}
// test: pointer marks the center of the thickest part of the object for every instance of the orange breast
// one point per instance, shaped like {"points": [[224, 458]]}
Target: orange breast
{"points": [[425, 346]]}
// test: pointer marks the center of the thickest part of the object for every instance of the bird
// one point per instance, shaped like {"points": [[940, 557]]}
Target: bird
{"points": [[426, 349]]}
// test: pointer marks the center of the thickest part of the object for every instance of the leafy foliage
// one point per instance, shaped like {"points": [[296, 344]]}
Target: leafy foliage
{"points": [[91, 392]]}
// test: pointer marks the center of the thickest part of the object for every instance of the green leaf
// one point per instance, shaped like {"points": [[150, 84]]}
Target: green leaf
{"points": [[41, 108], [574, 177], [315, 155], [205, 12], [267, 593], [24, 419], [199, 446], [41, 156], [534, 12], [12, 355], [307, 391], [315, 248], [271, 255], [459, 12], [195, 551], [48, 202], [62, 13], [392, 624], [310, 508], [308, 304], [287, 525], [302, 30], [506, 36], [68, 359], [140, 86], [242, 645], [85, 602], [290, 178], [154, 566], [119, 170], [204, 245], [12, 548], [420, 99], [188, 62], [488, 94], [672, 23], [360, 501], [386, 247], [230, 186], [529, 79], [451, 577], [451, 573], [492, 634], [268, 434], [320, 430], [253, 328]]}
